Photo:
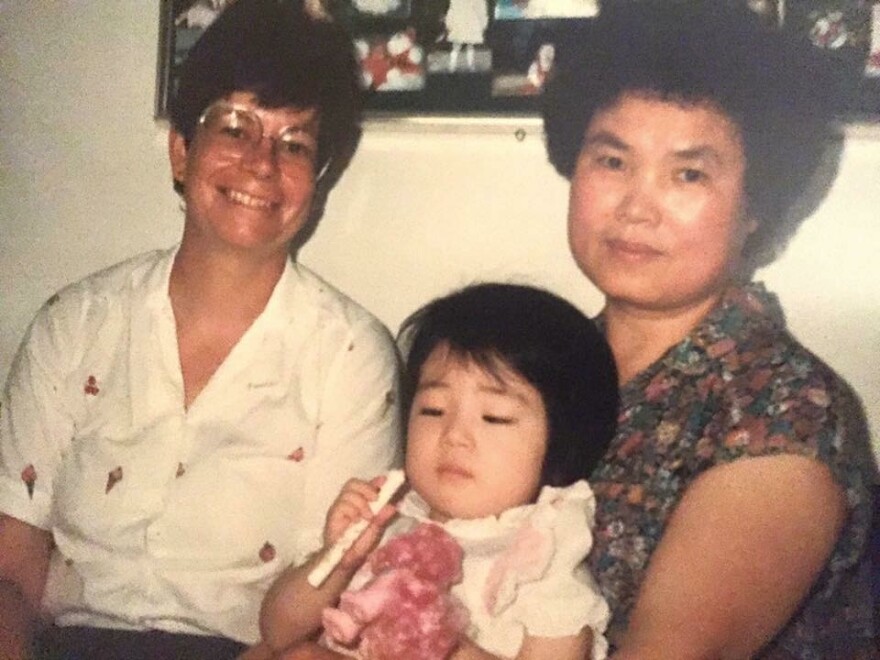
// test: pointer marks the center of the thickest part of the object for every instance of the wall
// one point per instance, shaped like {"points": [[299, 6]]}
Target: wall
{"points": [[84, 182]]}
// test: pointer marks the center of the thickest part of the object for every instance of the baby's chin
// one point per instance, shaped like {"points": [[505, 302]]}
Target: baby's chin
{"points": [[443, 514]]}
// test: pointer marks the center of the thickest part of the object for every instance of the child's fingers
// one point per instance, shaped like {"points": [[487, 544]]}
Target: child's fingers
{"points": [[384, 516], [370, 538], [362, 493], [351, 505], [343, 517]]}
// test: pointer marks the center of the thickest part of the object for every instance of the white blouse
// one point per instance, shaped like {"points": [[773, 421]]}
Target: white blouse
{"points": [[180, 519]]}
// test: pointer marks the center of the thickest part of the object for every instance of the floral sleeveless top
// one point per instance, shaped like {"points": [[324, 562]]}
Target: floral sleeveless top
{"points": [[739, 385]]}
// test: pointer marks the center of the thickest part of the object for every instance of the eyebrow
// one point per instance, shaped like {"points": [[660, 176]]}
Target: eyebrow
{"points": [[702, 152], [299, 128], [488, 389], [699, 152], [300, 125], [605, 139]]}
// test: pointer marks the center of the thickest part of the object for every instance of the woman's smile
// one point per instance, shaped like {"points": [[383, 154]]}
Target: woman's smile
{"points": [[246, 195], [657, 211], [244, 199]]}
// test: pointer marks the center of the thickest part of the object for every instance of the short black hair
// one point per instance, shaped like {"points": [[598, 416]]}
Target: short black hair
{"points": [[275, 50], [780, 91], [545, 340]]}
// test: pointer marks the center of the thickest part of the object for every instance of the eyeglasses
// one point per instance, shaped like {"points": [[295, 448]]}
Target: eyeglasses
{"points": [[238, 129]]}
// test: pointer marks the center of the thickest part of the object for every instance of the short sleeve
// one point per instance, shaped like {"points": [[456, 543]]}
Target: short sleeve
{"points": [[803, 408], [566, 599], [799, 406], [34, 425]]}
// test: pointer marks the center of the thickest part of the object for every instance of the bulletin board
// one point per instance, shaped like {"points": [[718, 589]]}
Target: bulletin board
{"points": [[480, 58]]}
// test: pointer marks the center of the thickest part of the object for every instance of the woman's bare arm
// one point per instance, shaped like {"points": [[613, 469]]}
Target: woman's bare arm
{"points": [[739, 554], [24, 563]]}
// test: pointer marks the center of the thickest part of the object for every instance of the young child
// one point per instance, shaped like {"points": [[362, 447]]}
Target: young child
{"points": [[511, 397]]}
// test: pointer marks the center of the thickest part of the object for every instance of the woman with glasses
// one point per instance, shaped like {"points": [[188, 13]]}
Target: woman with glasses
{"points": [[175, 427], [733, 506]]}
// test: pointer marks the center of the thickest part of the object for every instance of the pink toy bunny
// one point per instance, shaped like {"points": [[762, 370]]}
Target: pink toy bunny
{"points": [[404, 609]]}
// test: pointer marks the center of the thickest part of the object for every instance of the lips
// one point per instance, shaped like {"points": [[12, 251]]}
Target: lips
{"points": [[633, 249], [455, 471], [250, 201]]}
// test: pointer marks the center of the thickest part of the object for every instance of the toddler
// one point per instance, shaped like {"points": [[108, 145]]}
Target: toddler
{"points": [[511, 398]]}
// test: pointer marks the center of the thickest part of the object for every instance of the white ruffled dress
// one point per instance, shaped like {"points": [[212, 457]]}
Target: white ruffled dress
{"points": [[523, 571]]}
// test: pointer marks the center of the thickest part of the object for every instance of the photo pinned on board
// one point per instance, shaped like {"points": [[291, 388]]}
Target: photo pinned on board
{"points": [[872, 66], [831, 25], [770, 11], [462, 49], [507, 10], [391, 62], [199, 14], [528, 81], [459, 58], [382, 8]]}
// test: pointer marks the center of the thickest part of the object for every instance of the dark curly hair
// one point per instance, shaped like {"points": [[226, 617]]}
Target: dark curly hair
{"points": [[780, 91], [276, 51], [546, 341]]}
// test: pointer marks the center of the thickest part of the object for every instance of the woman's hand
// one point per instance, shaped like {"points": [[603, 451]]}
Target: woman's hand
{"points": [[351, 506], [738, 556]]}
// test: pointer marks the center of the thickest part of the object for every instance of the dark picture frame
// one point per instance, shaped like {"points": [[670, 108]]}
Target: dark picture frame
{"points": [[488, 58]]}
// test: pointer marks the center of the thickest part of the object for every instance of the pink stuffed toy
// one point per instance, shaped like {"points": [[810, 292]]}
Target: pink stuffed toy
{"points": [[404, 609]]}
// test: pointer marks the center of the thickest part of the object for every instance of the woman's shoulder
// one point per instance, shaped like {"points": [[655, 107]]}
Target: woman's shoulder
{"points": [[778, 397], [332, 307], [118, 278], [80, 308], [757, 359], [779, 376]]}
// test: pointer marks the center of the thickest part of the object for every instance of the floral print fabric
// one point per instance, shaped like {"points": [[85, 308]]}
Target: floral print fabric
{"points": [[739, 385]]}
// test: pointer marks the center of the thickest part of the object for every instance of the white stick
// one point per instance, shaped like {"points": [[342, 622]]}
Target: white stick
{"points": [[393, 481]]}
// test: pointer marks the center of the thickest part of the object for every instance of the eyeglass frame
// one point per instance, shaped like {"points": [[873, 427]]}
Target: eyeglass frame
{"points": [[237, 108]]}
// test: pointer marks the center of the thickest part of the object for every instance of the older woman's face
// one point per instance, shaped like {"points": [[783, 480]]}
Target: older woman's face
{"points": [[657, 210], [248, 195]]}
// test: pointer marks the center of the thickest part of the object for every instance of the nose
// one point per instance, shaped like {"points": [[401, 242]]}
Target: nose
{"points": [[260, 157], [456, 433], [640, 201]]}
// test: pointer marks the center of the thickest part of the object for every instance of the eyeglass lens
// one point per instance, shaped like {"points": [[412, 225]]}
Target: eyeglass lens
{"points": [[241, 128]]}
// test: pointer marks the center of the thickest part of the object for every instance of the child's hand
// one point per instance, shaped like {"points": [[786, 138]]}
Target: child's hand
{"points": [[352, 505]]}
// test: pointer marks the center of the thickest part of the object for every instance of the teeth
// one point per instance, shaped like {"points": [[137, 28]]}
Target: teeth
{"points": [[247, 200]]}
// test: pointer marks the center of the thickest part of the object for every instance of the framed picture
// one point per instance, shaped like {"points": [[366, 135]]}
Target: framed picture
{"points": [[479, 58]]}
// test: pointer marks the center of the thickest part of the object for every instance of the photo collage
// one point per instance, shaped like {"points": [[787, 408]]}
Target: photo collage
{"points": [[471, 57]]}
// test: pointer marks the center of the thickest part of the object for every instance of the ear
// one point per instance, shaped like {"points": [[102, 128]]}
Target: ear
{"points": [[177, 152], [747, 219]]}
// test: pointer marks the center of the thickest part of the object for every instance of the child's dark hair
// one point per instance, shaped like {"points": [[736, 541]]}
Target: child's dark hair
{"points": [[544, 339]]}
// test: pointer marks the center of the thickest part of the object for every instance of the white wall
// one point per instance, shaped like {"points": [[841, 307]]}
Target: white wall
{"points": [[84, 183]]}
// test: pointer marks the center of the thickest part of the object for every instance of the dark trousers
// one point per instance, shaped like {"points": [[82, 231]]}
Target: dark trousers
{"points": [[81, 643]]}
